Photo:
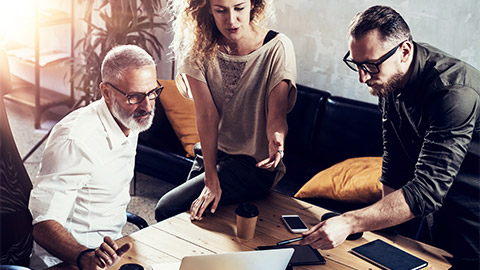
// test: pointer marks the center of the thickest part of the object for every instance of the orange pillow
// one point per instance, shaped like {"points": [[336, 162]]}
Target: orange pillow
{"points": [[352, 180], [181, 115]]}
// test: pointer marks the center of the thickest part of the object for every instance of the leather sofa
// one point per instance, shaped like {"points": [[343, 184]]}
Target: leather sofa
{"points": [[323, 130]]}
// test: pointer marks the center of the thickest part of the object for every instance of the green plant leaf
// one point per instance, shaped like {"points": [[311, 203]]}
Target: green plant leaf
{"points": [[122, 22]]}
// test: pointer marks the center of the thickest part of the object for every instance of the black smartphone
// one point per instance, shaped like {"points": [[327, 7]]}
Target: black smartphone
{"points": [[303, 255]]}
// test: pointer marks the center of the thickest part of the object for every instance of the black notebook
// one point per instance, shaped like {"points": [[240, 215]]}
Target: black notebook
{"points": [[387, 256]]}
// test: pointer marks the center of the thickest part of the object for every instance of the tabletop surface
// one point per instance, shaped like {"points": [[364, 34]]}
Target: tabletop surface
{"points": [[174, 238]]}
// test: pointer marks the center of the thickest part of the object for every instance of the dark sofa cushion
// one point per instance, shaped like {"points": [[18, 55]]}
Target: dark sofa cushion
{"points": [[160, 153], [163, 165], [160, 135], [303, 119], [338, 129], [335, 206], [348, 128], [302, 122], [299, 170]]}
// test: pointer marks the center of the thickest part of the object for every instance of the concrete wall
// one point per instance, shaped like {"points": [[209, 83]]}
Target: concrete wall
{"points": [[318, 29]]}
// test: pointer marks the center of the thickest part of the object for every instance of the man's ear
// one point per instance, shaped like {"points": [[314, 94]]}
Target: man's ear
{"points": [[407, 50], [106, 93]]}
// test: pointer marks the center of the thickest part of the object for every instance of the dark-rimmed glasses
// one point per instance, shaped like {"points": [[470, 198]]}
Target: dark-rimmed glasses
{"points": [[372, 68], [139, 97]]}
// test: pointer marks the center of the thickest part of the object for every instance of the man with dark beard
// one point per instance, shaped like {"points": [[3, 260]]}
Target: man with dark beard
{"points": [[431, 129], [81, 192]]}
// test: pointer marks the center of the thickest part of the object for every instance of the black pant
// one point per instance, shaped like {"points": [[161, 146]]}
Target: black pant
{"points": [[240, 181]]}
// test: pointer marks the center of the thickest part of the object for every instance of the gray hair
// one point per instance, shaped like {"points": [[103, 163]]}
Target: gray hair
{"points": [[389, 23], [121, 59]]}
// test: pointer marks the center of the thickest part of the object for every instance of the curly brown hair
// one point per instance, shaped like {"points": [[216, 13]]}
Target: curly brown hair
{"points": [[195, 34]]}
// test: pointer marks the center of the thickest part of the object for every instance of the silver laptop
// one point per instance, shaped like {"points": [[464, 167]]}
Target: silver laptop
{"points": [[275, 259]]}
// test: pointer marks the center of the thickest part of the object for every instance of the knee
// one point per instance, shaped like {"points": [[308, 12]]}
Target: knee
{"points": [[162, 210], [170, 205], [179, 199], [159, 215]]}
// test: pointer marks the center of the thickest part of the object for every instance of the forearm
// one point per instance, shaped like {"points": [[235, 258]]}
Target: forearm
{"points": [[208, 134], [277, 112], [389, 211], [207, 124], [277, 127], [65, 247]]}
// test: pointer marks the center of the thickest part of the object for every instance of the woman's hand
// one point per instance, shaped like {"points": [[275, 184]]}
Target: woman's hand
{"points": [[211, 194], [275, 150]]}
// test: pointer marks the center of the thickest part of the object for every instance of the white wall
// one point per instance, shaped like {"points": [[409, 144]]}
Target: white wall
{"points": [[318, 29]]}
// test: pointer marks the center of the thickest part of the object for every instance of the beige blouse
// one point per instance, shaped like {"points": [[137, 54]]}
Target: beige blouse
{"points": [[240, 86]]}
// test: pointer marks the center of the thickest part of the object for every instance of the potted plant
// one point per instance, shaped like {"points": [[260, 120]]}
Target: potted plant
{"points": [[121, 22]]}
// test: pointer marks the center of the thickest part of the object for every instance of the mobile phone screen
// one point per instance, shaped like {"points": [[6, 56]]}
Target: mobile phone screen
{"points": [[294, 222]]}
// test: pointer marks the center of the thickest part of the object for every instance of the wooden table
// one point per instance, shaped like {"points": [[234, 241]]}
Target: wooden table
{"points": [[174, 238]]}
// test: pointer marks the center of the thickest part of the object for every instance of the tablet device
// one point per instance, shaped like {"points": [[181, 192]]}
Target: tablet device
{"points": [[387, 256], [303, 255]]}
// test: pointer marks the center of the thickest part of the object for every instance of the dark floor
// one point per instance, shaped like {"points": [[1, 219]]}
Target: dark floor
{"points": [[149, 189]]}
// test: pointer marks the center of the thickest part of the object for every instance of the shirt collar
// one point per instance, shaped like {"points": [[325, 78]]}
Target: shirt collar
{"points": [[114, 132]]}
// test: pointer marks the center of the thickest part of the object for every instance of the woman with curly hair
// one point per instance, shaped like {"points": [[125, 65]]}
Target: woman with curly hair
{"points": [[242, 79]]}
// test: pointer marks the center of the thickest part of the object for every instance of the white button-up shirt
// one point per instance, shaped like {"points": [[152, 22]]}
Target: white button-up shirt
{"points": [[84, 179]]}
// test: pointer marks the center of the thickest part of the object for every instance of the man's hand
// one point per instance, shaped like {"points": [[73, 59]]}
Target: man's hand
{"points": [[327, 234], [211, 194], [275, 150], [105, 256], [389, 211]]}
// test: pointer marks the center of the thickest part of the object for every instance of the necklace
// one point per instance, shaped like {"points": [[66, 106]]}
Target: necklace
{"points": [[228, 50]]}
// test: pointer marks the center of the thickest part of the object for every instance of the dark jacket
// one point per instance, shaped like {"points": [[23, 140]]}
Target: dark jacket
{"points": [[430, 128]]}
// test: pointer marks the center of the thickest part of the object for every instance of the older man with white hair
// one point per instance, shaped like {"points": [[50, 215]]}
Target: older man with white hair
{"points": [[81, 193]]}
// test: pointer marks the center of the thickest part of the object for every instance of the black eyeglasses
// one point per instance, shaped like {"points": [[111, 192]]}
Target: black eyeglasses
{"points": [[139, 97], [371, 68]]}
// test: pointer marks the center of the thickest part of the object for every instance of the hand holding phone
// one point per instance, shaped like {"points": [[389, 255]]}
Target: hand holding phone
{"points": [[294, 223]]}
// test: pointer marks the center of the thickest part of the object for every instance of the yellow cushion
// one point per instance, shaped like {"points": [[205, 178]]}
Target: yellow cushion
{"points": [[352, 180], [181, 115]]}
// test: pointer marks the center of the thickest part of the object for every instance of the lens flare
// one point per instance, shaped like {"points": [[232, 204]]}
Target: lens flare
{"points": [[16, 20]]}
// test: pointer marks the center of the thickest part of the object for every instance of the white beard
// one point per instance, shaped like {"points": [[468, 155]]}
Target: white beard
{"points": [[130, 121]]}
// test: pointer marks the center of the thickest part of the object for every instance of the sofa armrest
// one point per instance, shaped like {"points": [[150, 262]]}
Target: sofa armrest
{"points": [[167, 166]]}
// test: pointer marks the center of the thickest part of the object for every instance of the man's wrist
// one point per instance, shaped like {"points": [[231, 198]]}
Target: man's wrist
{"points": [[80, 255], [352, 221]]}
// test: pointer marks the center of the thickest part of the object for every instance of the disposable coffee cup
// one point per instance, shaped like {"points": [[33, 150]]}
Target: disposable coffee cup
{"points": [[247, 215]]}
